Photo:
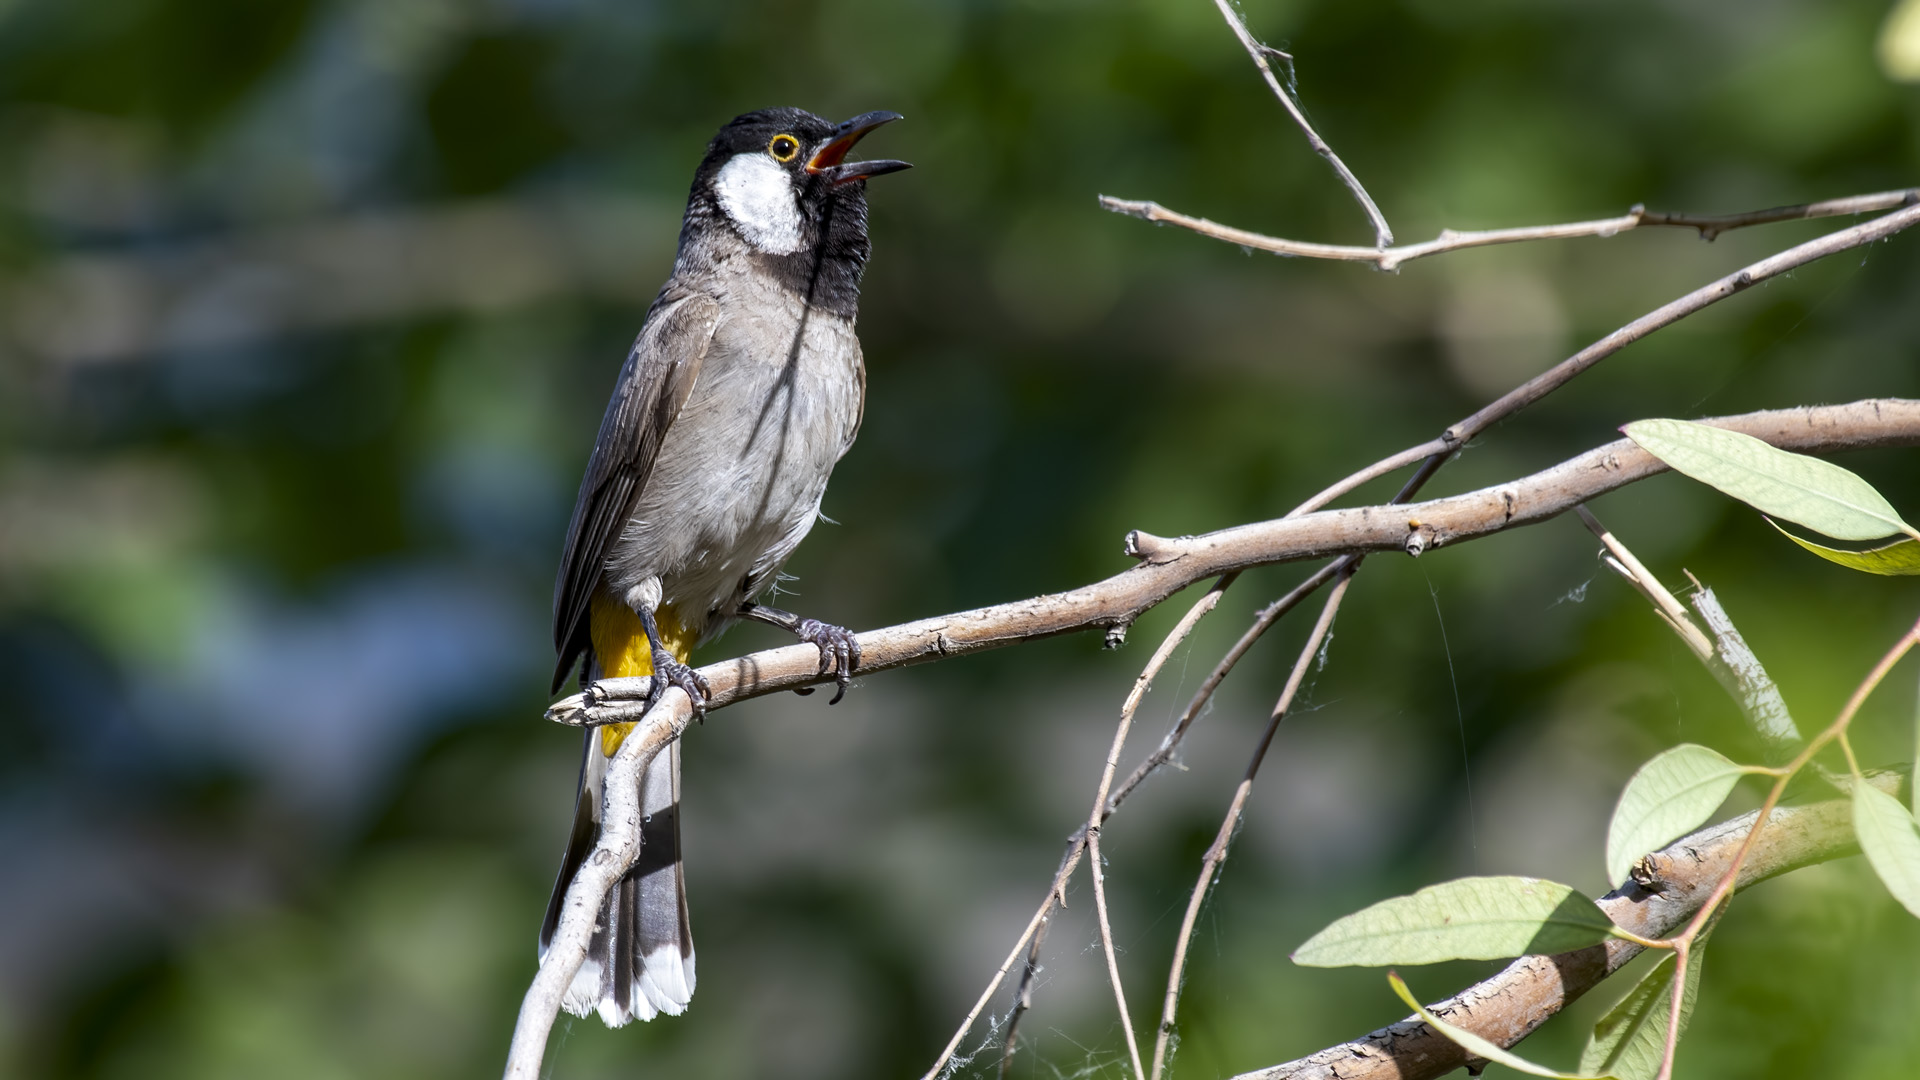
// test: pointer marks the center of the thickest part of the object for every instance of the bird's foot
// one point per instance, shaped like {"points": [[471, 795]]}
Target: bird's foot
{"points": [[839, 651], [668, 671]]}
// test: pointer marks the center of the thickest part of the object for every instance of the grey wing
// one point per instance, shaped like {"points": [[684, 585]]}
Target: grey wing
{"points": [[654, 383]]}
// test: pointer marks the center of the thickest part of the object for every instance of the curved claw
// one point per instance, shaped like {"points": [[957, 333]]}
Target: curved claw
{"points": [[669, 671], [839, 652]]}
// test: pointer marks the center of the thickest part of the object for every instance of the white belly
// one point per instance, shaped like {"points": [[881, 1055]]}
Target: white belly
{"points": [[740, 475]]}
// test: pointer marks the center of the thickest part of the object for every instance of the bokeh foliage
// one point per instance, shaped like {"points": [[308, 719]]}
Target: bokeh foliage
{"points": [[308, 314]]}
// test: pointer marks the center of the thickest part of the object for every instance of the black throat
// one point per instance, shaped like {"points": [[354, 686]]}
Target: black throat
{"points": [[826, 274]]}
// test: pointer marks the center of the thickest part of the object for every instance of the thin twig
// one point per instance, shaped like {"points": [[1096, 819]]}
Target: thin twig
{"points": [[1712, 225], [1665, 604], [1106, 945], [1077, 844], [1262, 622], [1432, 451], [1741, 280], [1067, 865], [1383, 235], [1098, 813], [1392, 258], [1513, 1003], [1412, 455], [1217, 852], [1023, 993], [1031, 938]]}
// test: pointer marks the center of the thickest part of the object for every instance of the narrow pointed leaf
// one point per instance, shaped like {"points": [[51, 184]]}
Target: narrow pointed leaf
{"points": [[1898, 559], [1476, 918], [1632, 1038], [1670, 796], [1480, 1047], [1804, 490], [1891, 839]]}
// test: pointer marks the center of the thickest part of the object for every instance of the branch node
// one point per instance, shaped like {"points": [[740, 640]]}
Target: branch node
{"points": [[1154, 549], [1419, 539]]}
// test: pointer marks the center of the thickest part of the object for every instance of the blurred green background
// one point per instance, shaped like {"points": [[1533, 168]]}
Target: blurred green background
{"points": [[308, 312]]}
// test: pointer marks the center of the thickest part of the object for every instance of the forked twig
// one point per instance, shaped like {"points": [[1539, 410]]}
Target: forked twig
{"points": [[1216, 854], [1392, 258], [1084, 840], [1382, 235]]}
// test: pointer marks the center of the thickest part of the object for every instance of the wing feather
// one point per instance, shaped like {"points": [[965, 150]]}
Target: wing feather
{"points": [[655, 381]]}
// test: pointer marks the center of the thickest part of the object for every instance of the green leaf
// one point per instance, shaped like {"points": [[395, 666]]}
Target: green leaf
{"points": [[1479, 1047], [1476, 918], [1891, 839], [1805, 490], [1670, 796], [1631, 1039], [1898, 559]]}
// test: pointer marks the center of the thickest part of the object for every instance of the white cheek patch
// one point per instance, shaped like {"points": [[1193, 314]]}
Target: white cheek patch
{"points": [[757, 194]]}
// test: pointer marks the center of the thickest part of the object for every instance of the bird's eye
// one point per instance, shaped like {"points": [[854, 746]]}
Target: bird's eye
{"points": [[784, 148]]}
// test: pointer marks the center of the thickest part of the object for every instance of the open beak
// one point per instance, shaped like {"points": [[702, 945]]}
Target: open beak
{"points": [[830, 160]]}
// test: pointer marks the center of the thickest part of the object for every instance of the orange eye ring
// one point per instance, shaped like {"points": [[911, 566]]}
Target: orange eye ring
{"points": [[783, 148]]}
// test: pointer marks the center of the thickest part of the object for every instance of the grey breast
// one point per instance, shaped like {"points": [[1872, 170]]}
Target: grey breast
{"points": [[741, 472]]}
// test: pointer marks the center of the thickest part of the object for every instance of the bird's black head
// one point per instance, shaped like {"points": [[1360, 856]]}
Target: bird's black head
{"points": [[780, 181]]}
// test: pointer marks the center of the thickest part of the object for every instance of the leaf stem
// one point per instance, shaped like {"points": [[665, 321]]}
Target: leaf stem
{"points": [[1682, 942], [1644, 942]]}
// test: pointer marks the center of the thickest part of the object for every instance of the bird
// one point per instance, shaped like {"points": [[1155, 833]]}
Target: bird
{"points": [[744, 387]]}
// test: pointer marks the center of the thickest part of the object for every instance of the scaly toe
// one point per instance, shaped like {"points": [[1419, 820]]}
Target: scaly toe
{"points": [[839, 651], [671, 672]]}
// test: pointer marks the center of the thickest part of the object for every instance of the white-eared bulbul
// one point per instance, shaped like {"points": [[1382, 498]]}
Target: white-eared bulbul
{"points": [[743, 389]]}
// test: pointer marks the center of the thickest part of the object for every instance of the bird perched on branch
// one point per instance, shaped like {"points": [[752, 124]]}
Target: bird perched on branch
{"points": [[742, 390]]}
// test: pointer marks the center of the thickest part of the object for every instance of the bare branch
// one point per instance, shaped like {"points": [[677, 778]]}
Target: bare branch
{"points": [[1106, 946], [1261, 623], [1023, 993], [612, 855], [1098, 813], [1069, 861], [1036, 928], [1382, 235], [1392, 258], [1712, 225], [1216, 855], [1512, 1004], [1170, 565]]}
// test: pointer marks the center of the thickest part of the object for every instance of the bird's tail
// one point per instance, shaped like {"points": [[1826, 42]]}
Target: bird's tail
{"points": [[640, 960]]}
